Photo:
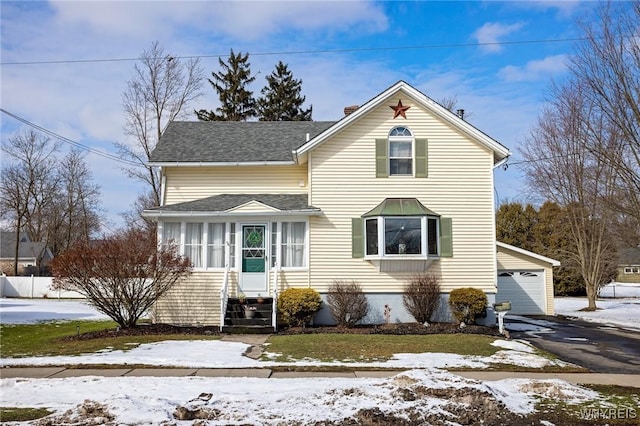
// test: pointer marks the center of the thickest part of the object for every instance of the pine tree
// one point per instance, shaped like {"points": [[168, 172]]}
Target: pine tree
{"points": [[281, 99], [237, 102]]}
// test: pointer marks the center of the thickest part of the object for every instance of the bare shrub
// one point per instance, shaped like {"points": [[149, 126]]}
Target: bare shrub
{"points": [[121, 276], [421, 297], [347, 302]]}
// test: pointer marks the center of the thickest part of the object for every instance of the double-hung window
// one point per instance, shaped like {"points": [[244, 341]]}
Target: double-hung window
{"points": [[205, 244], [289, 244], [215, 245], [400, 152], [193, 244]]}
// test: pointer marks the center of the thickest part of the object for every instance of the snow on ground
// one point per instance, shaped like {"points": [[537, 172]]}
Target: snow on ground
{"points": [[153, 400], [144, 400], [29, 311], [621, 311]]}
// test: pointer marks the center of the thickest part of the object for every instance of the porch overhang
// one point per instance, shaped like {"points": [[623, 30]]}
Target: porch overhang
{"points": [[238, 205]]}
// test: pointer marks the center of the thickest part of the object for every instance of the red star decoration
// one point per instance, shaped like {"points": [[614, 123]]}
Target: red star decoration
{"points": [[399, 110]]}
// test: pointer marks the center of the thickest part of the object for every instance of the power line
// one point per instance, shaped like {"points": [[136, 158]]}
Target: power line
{"points": [[306, 52], [71, 142]]}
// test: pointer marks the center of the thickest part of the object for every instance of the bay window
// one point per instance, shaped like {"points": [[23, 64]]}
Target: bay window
{"points": [[401, 228]]}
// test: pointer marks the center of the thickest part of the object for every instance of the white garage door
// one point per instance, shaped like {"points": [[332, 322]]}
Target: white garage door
{"points": [[525, 290]]}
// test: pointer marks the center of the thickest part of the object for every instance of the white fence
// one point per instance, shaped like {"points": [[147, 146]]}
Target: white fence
{"points": [[33, 287]]}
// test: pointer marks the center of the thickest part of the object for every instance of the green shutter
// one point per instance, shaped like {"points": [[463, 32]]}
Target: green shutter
{"points": [[382, 159], [421, 158], [357, 237], [446, 240]]}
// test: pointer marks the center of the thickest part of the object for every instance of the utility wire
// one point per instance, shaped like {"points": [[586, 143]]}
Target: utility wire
{"points": [[305, 52], [71, 142]]}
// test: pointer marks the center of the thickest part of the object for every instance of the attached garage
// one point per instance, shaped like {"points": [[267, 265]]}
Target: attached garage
{"points": [[525, 279]]}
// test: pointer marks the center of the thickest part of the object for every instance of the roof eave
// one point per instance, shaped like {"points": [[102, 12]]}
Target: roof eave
{"points": [[553, 262], [219, 163], [500, 151], [153, 214]]}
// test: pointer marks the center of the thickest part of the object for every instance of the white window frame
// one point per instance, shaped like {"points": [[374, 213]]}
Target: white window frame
{"points": [[280, 249], [228, 247], [402, 139], [424, 254]]}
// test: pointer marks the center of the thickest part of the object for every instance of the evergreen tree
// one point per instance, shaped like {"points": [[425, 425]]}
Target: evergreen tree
{"points": [[281, 99], [236, 101], [514, 225]]}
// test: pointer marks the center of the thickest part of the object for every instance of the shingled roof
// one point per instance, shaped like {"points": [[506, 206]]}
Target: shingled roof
{"points": [[223, 202], [233, 141]]}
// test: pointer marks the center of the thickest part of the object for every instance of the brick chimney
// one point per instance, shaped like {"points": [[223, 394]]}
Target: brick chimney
{"points": [[350, 109]]}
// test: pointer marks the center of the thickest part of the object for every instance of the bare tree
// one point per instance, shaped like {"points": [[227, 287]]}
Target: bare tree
{"points": [[28, 185], [74, 214], [560, 168], [160, 91], [121, 276], [607, 63]]}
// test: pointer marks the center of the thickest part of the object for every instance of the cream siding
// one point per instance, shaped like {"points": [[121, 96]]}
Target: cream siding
{"points": [[193, 301], [511, 260], [253, 207], [459, 186], [192, 183], [196, 300]]}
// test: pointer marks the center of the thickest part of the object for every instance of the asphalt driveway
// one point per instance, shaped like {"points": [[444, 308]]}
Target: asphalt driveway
{"points": [[599, 348]]}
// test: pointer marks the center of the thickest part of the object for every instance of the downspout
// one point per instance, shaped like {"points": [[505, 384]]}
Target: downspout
{"points": [[163, 187]]}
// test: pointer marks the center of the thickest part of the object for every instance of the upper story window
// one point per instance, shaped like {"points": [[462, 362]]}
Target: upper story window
{"points": [[400, 152]]}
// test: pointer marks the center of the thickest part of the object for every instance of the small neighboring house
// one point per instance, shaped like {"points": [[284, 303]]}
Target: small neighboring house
{"points": [[33, 257], [629, 265], [397, 187]]}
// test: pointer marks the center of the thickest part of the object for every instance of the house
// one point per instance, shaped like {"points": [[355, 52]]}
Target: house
{"points": [[397, 187], [629, 265], [33, 257]]}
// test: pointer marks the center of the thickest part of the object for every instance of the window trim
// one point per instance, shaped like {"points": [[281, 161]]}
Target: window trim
{"points": [[401, 139], [232, 250], [381, 243]]}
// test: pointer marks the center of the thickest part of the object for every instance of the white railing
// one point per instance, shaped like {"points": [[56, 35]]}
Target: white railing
{"points": [[274, 292], [224, 295]]}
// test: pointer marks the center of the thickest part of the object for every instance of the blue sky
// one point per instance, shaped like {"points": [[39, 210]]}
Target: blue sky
{"points": [[487, 54]]}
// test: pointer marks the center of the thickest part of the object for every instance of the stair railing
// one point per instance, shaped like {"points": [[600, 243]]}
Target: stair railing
{"points": [[274, 293], [224, 295]]}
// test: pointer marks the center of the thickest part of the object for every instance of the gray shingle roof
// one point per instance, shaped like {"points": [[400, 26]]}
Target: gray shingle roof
{"points": [[223, 202], [630, 256], [26, 249], [234, 141]]}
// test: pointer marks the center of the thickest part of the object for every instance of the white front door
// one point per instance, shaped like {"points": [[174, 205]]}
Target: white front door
{"points": [[253, 275]]}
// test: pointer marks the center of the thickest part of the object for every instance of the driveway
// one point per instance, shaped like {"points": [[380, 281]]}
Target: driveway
{"points": [[599, 348]]}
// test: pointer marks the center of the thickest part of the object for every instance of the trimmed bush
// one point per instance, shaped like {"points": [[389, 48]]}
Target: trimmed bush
{"points": [[421, 297], [347, 302], [298, 305], [467, 304]]}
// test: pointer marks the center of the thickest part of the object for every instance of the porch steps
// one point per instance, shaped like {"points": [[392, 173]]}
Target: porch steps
{"points": [[235, 321]]}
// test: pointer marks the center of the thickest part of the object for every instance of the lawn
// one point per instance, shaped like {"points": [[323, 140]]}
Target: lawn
{"points": [[53, 338], [374, 347]]}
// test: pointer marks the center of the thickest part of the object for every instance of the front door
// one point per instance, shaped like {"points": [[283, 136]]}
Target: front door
{"points": [[253, 278]]}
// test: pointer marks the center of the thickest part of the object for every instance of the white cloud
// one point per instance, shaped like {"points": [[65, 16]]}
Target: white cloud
{"points": [[535, 70], [242, 20], [493, 32]]}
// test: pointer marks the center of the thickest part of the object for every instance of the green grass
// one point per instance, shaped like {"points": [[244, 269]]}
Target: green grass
{"points": [[50, 339], [14, 414], [374, 347]]}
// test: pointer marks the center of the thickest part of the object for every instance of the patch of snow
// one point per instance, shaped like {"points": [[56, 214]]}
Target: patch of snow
{"points": [[146, 400], [616, 312], [30, 311], [516, 345]]}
